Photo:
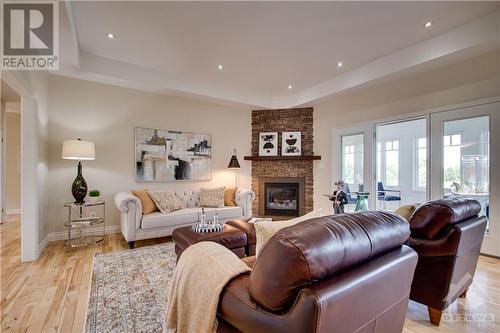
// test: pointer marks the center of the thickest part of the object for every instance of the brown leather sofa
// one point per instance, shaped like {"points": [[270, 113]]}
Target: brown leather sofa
{"points": [[447, 235], [344, 273]]}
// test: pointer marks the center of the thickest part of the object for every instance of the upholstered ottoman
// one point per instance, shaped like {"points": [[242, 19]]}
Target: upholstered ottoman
{"points": [[232, 238], [249, 230]]}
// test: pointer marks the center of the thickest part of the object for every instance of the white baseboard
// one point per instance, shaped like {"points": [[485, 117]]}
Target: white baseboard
{"points": [[43, 245], [63, 235], [16, 211]]}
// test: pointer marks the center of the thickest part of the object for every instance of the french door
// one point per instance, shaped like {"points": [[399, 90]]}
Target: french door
{"points": [[465, 161], [457, 154]]}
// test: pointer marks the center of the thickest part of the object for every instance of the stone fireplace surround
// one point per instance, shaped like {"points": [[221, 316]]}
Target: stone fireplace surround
{"points": [[286, 170]]}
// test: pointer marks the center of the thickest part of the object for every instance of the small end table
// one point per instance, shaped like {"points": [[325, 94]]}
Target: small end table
{"points": [[84, 226]]}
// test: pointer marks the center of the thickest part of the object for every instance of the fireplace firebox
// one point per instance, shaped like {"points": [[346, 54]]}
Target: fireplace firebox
{"points": [[281, 196], [282, 199]]}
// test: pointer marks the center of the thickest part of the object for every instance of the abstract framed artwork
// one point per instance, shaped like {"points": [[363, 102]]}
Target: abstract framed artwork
{"points": [[165, 155], [268, 144], [291, 143]]}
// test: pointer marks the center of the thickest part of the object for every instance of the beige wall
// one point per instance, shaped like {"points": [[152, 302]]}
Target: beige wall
{"points": [[107, 116], [457, 83], [13, 160]]}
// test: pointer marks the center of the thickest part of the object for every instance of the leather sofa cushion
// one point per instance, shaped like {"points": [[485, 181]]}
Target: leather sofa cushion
{"points": [[318, 248], [431, 218]]}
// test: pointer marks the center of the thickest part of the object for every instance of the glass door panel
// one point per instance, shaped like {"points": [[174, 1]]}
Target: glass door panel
{"points": [[401, 154], [352, 167], [466, 159], [353, 162]]}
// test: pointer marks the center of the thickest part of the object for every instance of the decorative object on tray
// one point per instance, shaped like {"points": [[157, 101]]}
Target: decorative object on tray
{"points": [[85, 229], [94, 196], [206, 225], [80, 151], [163, 155], [268, 144], [291, 143]]}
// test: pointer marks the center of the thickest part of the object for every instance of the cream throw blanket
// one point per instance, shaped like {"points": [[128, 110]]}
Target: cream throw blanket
{"points": [[201, 273]]}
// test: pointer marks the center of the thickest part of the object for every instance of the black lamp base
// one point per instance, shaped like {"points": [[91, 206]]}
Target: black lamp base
{"points": [[79, 188]]}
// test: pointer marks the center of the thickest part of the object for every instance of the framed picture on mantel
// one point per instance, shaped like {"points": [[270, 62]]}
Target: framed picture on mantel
{"points": [[291, 143], [268, 144]]}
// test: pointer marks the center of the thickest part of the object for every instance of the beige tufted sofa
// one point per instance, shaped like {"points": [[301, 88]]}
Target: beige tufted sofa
{"points": [[135, 226]]}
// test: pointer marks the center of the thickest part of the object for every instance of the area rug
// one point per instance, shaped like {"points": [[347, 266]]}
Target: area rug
{"points": [[129, 290]]}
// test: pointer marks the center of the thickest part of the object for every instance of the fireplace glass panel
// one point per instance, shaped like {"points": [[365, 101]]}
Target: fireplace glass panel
{"points": [[282, 198]]}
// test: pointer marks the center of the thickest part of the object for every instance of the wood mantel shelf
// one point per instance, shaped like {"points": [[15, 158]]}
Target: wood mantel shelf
{"points": [[278, 158]]}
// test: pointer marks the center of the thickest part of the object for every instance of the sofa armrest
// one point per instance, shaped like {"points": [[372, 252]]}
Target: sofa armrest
{"points": [[131, 214], [244, 198]]}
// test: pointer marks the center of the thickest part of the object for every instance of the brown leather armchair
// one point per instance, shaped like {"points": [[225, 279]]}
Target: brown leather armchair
{"points": [[343, 273], [447, 235]]}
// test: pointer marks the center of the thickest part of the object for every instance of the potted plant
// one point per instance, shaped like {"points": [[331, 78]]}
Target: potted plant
{"points": [[94, 195]]}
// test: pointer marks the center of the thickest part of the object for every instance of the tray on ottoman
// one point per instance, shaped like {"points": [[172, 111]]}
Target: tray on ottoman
{"points": [[232, 238]]}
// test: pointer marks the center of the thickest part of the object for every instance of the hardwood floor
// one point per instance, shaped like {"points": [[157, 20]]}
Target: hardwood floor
{"points": [[50, 295]]}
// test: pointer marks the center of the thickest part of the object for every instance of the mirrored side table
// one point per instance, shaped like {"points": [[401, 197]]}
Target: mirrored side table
{"points": [[85, 229]]}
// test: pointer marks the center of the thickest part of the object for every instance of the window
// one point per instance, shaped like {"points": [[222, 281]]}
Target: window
{"points": [[349, 164], [451, 159], [421, 164], [392, 163]]}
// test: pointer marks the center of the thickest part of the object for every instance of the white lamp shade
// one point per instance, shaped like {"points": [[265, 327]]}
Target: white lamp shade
{"points": [[78, 150]]}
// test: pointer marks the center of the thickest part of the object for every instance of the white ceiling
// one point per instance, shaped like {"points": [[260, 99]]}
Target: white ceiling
{"points": [[263, 46]]}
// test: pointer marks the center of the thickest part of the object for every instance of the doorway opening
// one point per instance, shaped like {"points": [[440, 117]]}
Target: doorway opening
{"points": [[10, 168]]}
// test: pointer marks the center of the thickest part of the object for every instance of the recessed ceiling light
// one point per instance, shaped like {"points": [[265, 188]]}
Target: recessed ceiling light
{"points": [[428, 24], [290, 86], [219, 67], [111, 36], [340, 64]]}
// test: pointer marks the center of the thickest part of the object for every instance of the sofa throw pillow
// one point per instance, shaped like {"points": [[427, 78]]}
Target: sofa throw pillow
{"points": [[148, 205], [230, 197], [406, 211], [165, 201], [212, 197], [265, 230]]}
